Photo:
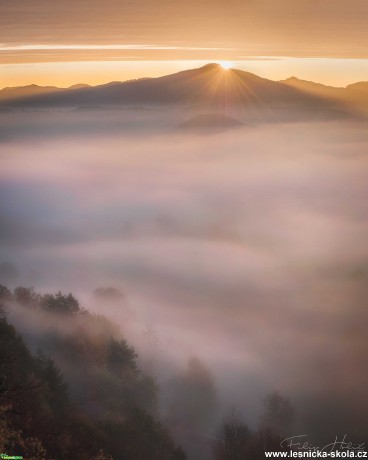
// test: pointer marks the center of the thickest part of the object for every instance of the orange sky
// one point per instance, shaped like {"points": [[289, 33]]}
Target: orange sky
{"points": [[96, 41]]}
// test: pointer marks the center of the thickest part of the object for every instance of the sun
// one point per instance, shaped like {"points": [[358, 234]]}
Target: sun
{"points": [[226, 65]]}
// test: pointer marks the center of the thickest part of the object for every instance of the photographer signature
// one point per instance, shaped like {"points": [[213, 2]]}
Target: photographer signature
{"points": [[300, 442]]}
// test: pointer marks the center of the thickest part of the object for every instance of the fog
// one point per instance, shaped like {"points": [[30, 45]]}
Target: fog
{"points": [[244, 248]]}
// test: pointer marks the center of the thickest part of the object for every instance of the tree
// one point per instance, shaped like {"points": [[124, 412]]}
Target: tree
{"points": [[55, 390], [194, 398], [18, 380], [232, 439], [13, 440], [60, 303], [141, 437], [278, 415], [26, 296], [110, 407], [121, 359], [235, 441], [5, 294]]}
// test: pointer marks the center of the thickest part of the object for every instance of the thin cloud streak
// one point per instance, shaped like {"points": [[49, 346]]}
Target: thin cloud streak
{"points": [[36, 47]]}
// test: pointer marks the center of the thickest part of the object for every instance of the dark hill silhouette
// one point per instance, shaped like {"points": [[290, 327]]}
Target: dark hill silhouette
{"points": [[210, 87], [19, 92], [29, 91], [355, 95], [315, 88], [79, 85]]}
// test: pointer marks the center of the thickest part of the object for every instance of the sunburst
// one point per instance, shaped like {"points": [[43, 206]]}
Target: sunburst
{"points": [[226, 65]]}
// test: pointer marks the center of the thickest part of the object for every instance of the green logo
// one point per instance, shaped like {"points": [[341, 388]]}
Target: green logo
{"points": [[6, 456]]}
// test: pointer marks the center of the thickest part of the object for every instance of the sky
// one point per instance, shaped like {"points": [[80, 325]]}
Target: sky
{"points": [[68, 42]]}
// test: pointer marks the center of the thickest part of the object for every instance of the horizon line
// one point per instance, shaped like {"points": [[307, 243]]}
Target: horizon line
{"points": [[173, 73]]}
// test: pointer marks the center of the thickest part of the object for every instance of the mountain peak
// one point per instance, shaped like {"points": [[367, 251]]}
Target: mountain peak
{"points": [[79, 85], [211, 66], [210, 86]]}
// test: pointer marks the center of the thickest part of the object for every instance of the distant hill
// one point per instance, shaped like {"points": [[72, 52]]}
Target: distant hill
{"points": [[209, 87], [21, 92], [29, 91], [355, 94]]}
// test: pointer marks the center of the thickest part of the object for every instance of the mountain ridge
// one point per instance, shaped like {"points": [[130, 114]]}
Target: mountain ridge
{"points": [[206, 66], [355, 94], [209, 86]]}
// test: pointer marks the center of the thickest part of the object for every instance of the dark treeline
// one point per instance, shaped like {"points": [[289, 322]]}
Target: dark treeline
{"points": [[76, 391], [107, 410]]}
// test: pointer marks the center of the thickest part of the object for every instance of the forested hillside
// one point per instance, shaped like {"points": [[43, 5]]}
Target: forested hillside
{"points": [[76, 391], [103, 407]]}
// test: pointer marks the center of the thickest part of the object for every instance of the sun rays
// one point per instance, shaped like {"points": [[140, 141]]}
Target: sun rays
{"points": [[226, 65], [221, 87]]}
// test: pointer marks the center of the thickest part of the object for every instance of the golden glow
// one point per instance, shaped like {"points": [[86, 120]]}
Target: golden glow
{"points": [[128, 47], [335, 72], [226, 65]]}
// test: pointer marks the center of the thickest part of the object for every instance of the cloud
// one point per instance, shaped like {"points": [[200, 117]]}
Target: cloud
{"points": [[144, 47], [247, 249], [330, 28]]}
